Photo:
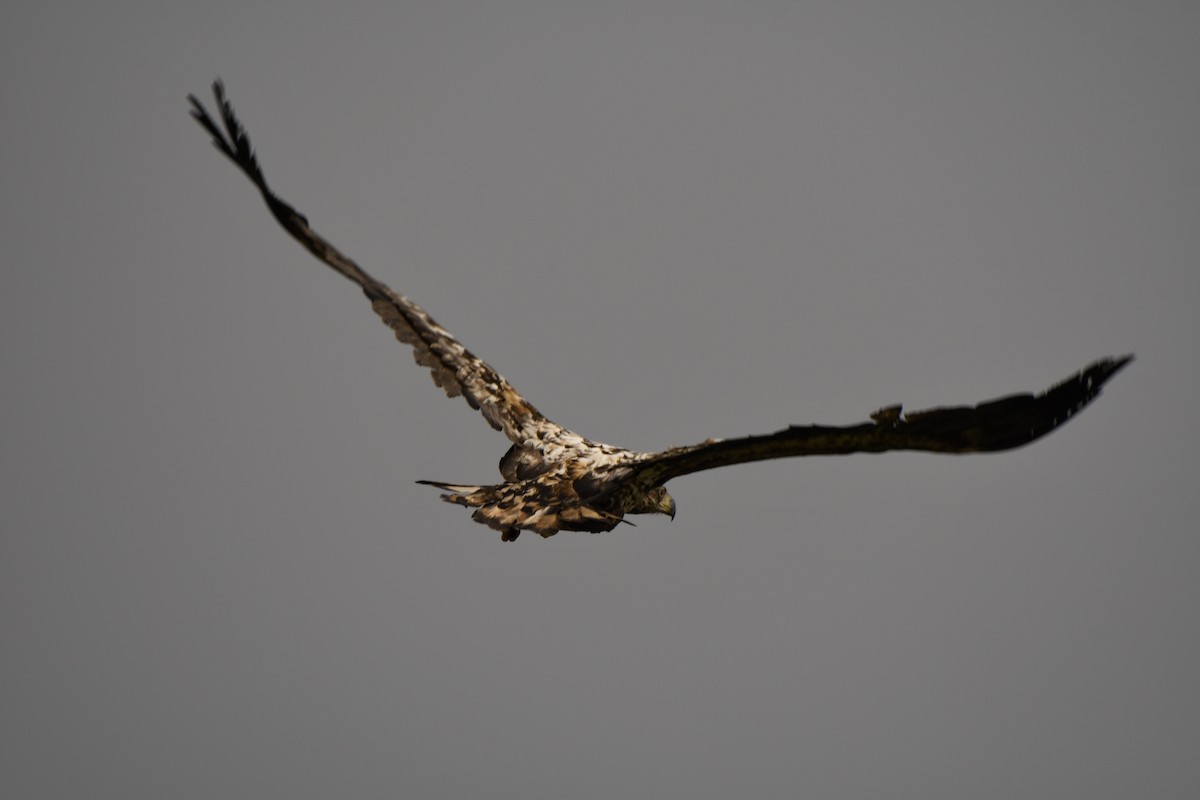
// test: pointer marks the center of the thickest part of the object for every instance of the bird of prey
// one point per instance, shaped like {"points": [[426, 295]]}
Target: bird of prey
{"points": [[557, 480]]}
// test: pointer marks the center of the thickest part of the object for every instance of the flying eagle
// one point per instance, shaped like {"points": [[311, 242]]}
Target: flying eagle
{"points": [[555, 479]]}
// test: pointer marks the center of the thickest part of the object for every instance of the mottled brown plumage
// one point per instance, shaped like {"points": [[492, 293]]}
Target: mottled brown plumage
{"points": [[555, 479]]}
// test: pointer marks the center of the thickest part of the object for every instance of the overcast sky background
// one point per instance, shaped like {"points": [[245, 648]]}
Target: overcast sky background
{"points": [[662, 222]]}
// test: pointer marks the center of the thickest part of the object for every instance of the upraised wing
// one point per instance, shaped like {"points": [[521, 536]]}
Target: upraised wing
{"points": [[1000, 424], [455, 368]]}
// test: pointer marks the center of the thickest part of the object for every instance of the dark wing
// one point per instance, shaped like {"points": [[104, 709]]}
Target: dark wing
{"points": [[995, 425], [457, 370]]}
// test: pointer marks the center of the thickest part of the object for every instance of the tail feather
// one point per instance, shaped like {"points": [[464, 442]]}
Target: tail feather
{"points": [[452, 487], [465, 495]]}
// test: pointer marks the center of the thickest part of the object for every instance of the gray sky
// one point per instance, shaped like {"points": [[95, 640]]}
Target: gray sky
{"points": [[662, 222]]}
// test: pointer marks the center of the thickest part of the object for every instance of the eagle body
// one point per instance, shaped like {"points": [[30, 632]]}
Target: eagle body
{"points": [[553, 489], [555, 479]]}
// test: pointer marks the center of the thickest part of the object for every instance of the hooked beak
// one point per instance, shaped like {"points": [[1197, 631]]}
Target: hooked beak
{"points": [[668, 506]]}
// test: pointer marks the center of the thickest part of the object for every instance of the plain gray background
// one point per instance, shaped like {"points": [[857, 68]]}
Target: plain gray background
{"points": [[662, 222]]}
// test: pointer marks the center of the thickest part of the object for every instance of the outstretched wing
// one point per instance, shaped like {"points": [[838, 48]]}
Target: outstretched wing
{"points": [[456, 369], [994, 425]]}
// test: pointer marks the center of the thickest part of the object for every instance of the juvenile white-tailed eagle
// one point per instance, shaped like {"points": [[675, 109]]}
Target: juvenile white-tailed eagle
{"points": [[555, 479]]}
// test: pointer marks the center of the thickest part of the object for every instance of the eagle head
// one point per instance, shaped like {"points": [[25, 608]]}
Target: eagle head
{"points": [[658, 501]]}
